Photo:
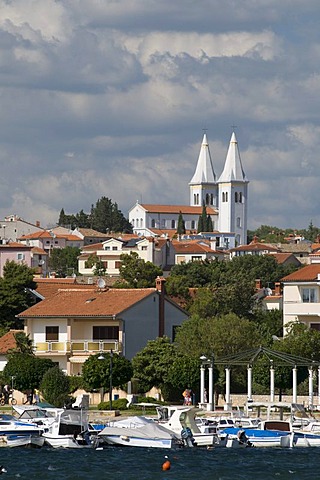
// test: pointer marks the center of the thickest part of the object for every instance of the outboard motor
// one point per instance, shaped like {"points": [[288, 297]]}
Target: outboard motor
{"points": [[187, 437], [243, 439]]}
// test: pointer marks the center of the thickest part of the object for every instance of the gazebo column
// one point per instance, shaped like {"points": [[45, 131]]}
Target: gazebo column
{"points": [[271, 383], [319, 385], [249, 375], [202, 387], [310, 388], [228, 399], [294, 385], [210, 398]]}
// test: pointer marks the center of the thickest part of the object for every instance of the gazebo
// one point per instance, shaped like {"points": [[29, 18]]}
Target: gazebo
{"points": [[248, 358]]}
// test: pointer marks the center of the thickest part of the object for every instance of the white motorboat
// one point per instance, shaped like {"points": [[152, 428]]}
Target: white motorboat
{"points": [[68, 430], [138, 432], [270, 433], [34, 441], [181, 420], [308, 435]]}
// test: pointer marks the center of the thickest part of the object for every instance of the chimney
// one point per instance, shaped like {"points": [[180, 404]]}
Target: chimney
{"points": [[277, 288], [37, 223], [160, 281], [258, 284]]}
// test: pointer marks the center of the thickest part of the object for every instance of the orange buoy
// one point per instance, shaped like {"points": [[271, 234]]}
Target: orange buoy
{"points": [[166, 465]]}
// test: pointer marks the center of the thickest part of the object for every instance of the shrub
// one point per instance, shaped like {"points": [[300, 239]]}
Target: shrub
{"points": [[120, 404], [55, 387], [76, 382]]}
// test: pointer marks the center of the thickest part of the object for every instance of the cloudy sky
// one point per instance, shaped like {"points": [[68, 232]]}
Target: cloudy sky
{"points": [[110, 98]]}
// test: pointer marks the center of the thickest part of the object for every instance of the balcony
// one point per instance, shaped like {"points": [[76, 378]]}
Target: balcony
{"points": [[77, 347]]}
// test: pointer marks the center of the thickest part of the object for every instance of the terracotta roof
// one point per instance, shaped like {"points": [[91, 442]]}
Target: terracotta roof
{"points": [[13, 245], [253, 247], [38, 251], [39, 234], [87, 303], [47, 287], [8, 341], [309, 273], [94, 247], [184, 209], [283, 257], [89, 232], [191, 247]]}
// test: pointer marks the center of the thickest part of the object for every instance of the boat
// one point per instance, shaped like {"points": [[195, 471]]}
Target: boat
{"points": [[181, 420], [69, 429], [34, 441], [308, 435], [269, 433], [138, 432]]}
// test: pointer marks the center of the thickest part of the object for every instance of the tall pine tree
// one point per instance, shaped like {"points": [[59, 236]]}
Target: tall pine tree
{"points": [[181, 225]]}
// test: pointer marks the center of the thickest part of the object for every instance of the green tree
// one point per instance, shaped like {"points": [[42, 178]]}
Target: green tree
{"points": [[136, 272], [64, 261], [96, 372], [14, 294], [150, 365], [181, 225], [26, 369], [55, 387], [24, 344]]}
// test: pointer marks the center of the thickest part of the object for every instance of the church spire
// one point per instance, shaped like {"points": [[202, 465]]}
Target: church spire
{"points": [[233, 170], [204, 171]]}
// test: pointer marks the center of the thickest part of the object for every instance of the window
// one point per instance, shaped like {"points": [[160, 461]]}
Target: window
{"points": [[236, 197], [308, 295], [117, 264], [144, 247], [52, 334], [163, 223], [105, 333], [238, 222], [114, 248], [207, 199], [107, 247], [20, 256], [315, 326], [240, 197], [173, 224], [132, 222], [153, 223], [211, 199], [196, 258], [141, 222], [193, 224], [224, 196]]}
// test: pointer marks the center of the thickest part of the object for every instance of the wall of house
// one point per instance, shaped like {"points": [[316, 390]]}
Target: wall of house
{"points": [[141, 323], [294, 309]]}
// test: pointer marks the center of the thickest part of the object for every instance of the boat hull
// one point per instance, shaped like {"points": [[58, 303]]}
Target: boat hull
{"points": [[127, 441]]}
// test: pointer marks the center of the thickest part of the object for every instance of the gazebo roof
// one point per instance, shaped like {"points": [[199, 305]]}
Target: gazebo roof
{"points": [[249, 357]]}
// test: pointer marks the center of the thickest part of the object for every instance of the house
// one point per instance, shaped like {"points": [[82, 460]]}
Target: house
{"points": [[13, 227], [7, 343], [254, 248], [48, 240], [107, 254], [72, 324], [195, 250], [301, 296], [225, 199], [90, 236], [15, 251]]}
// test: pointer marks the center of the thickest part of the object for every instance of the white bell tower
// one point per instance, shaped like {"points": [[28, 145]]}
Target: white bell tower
{"points": [[233, 195], [203, 185]]}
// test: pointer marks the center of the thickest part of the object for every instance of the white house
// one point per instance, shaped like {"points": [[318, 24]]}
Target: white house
{"points": [[225, 198], [301, 296], [72, 324]]}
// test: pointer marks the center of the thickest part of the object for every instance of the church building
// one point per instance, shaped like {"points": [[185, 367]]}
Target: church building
{"points": [[225, 197]]}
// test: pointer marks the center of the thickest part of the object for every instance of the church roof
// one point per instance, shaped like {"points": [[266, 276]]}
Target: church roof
{"points": [[176, 209], [233, 170], [204, 171]]}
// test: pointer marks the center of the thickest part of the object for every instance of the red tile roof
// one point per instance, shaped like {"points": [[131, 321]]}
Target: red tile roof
{"points": [[47, 287], [15, 245], [8, 341], [254, 247], [309, 273], [191, 247], [184, 209], [87, 303]]}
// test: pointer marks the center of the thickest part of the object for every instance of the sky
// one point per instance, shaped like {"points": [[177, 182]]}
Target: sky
{"points": [[111, 98]]}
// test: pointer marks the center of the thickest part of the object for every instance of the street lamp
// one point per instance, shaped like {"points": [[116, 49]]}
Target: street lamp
{"points": [[101, 357]]}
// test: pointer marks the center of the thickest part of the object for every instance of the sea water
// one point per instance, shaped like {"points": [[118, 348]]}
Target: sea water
{"points": [[146, 464]]}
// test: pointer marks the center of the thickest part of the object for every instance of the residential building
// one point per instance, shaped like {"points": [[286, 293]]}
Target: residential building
{"points": [[7, 343], [301, 296], [195, 250], [156, 250], [254, 248], [13, 227], [15, 251], [225, 199], [72, 324]]}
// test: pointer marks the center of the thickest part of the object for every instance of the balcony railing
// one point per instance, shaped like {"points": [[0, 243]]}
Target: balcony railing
{"points": [[78, 346]]}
